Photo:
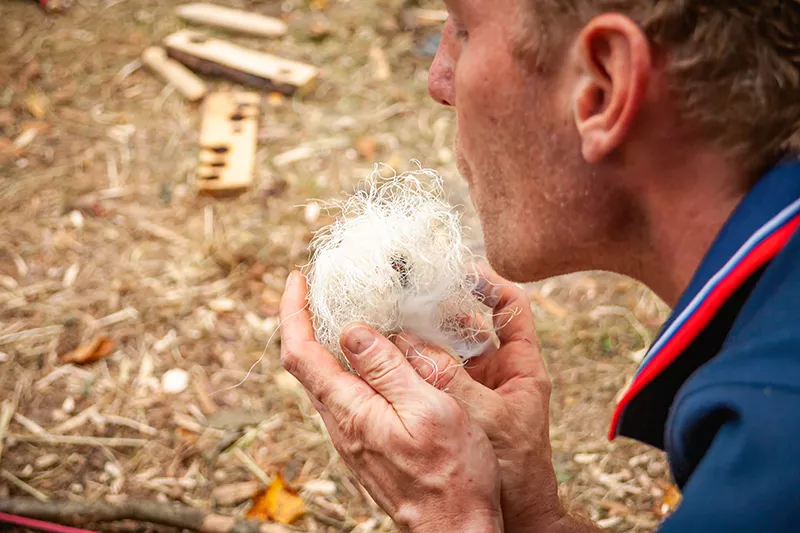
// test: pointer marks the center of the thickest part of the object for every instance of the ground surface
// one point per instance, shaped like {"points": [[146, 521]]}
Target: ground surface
{"points": [[103, 235]]}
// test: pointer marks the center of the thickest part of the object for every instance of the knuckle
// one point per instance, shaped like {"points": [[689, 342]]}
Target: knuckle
{"points": [[383, 367]]}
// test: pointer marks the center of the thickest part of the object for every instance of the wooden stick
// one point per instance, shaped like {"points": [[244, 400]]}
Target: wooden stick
{"points": [[78, 513], [232, 19], [184, 80], [76, 421], [30, 334], [133, 424], [7, 411], [30, 425], [215, 57], [80, 441], [14, 480]]}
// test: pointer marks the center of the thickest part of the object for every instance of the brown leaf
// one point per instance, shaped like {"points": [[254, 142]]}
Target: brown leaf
{"points": [[94, 350], [670, 501], [278, 503]]}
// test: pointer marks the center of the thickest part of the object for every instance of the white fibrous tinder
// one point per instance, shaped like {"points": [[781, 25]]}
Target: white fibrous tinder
{"points": [[394, 259]]}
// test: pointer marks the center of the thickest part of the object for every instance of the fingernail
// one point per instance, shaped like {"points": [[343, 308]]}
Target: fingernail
{"points": [[359, 339], [289, 280]]}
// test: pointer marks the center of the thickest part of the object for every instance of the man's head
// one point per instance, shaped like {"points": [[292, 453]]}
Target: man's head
{"points": [[572, 112]]}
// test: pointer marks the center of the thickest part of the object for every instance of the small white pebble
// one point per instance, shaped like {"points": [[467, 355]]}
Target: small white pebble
{"points": [[174, 381], [222, 305], [4, 357], [27, 471], [76, 488], [8, 282], [312, 212], [76, 218]]}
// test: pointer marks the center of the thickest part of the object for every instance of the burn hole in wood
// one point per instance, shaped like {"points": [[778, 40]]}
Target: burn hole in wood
{"points": [[400, 265], [237, 117], [217, 149], [210, 177]]}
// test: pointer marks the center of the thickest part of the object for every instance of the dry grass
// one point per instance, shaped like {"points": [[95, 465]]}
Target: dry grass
{"points": [[103, 235]]}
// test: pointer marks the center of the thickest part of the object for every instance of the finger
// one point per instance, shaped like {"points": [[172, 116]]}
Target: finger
{"points": [[434, 365], [448, 375], [382, 365], [308, 361], [518, 355], [511, 309]]}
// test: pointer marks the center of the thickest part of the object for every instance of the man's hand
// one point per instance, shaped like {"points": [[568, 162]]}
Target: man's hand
{"points": [[412, 446], [507, 391]]}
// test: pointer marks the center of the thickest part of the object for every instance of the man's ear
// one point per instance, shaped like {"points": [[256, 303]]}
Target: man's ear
{"points": [[615, 64]]}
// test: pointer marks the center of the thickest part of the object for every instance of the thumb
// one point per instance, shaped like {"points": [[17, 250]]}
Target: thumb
{"points": [[381, 364], [437, 367]]}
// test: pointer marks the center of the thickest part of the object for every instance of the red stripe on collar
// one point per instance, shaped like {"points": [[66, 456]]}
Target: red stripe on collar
{"points": [[758, 257]]}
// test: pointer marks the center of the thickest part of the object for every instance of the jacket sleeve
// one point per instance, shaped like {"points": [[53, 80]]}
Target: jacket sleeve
{"points": [[739, 445]]}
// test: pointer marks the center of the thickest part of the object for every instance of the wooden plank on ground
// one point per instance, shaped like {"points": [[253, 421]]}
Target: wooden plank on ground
{"points": [[228, 139], [216, 57], [184, 80], [232, 19]]}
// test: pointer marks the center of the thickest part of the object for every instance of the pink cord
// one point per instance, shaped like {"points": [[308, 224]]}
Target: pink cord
{"points": [[38, 524]]}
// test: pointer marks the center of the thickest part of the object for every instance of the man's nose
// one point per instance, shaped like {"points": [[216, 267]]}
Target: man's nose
{"points": [[441, 77]]}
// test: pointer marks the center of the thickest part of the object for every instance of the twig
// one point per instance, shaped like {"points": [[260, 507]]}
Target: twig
{"points": [[76, 421], [252, 466], [30, 333], [78, 513], [133, 424], [81, 441], [30, 425], [14, 480], [129, 313], [60, 372], [7, 412]]}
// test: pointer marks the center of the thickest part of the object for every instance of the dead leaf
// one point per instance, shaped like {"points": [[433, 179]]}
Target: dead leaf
{"points": [[37, 104], [94, 350], [278, 503], [670, 501]]}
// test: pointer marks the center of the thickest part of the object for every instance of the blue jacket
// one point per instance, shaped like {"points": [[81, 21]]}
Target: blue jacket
{"points": [[719, 390]]}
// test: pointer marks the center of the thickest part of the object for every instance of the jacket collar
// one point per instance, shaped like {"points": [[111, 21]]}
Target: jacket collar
{"points": [[756, 231]]}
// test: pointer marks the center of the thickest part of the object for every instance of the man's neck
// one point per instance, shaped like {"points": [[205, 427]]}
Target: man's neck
{"points": [[685, 208]]}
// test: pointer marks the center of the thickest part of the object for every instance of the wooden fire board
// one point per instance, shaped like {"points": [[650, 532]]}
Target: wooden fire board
{"points": [[232, 19], [228, 138], [216, 57]]}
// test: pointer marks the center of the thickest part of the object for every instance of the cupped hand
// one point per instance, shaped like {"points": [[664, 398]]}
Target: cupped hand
{"points": [[416, 449], [507, 391]]}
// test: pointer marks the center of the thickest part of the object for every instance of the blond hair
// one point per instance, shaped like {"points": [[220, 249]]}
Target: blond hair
{"points": [[734, 65]]}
